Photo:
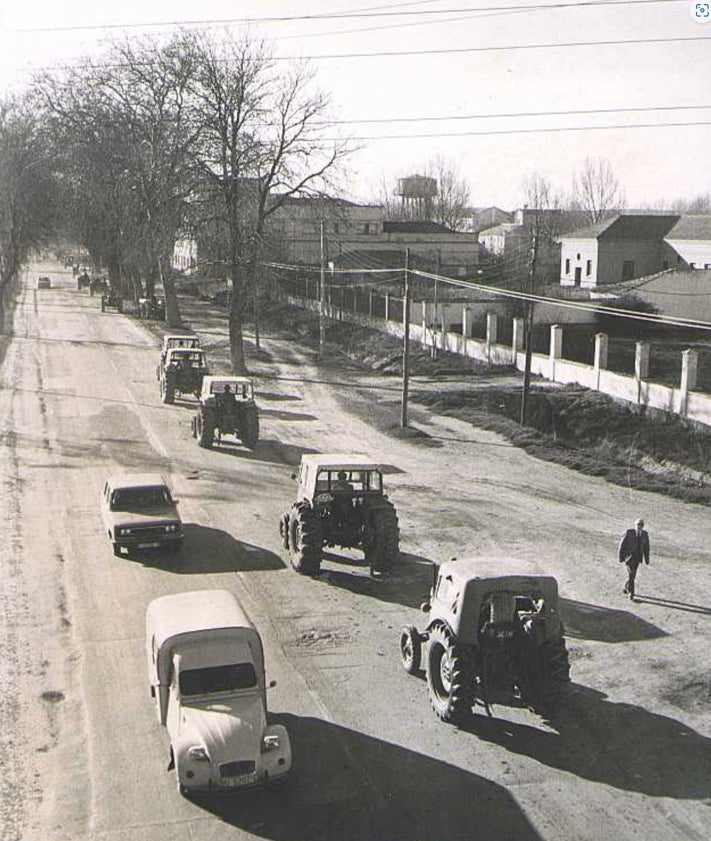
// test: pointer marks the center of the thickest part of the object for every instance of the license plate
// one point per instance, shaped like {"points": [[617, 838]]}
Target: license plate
{"points": [[245, 780], [153, 545]]}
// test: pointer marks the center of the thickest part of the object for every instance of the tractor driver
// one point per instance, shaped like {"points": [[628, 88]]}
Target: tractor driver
{"points": [[342, 483], [227, 403]]}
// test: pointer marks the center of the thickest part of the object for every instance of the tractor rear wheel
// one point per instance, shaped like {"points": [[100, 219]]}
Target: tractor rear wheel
{"points": [[305, 540], [205, 426], [450, 677], [249, 425], [410, 649], [382, 536], [547, 675], [167, 387]]}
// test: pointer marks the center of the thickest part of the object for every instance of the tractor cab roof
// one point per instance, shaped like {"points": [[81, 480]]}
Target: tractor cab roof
{"points": [[496, 569], [240, 386], [341, 461], [180, 340]]}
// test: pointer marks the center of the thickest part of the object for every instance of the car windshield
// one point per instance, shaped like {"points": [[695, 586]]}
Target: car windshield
{"points": [[218, 679], [132, 499]]}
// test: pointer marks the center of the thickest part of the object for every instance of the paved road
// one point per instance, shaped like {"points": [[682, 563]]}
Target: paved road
{"points": [[83, 756]]}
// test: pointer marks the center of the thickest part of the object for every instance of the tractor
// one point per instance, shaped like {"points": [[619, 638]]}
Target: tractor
{"points": [[181, 372], [226, 407], [171, 340], [489, 638], [340, 502], [151, 309], [111, 299]]}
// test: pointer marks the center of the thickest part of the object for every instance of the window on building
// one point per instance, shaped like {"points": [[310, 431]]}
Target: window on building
{"points": [[567, 265], [366, 227], [627, 269], [588, 268], [577, 256], [336, 228], [707, 265], [665, 265]]}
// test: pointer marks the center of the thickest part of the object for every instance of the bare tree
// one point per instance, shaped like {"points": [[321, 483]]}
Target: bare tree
{"points": [[26, 190], [260, 144], [596, 190], [699, 205], [451, 204], [124, 128]]}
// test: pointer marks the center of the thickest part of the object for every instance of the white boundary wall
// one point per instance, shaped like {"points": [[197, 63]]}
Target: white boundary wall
{"points": [[694, 405]]}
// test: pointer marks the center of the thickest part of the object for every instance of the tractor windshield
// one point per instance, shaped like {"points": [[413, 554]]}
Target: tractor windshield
{"points": [[351, 481]]}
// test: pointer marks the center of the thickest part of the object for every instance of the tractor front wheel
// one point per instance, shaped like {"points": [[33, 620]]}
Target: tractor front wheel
{"points": [[284, 530], [450, 677], [410, 649], [305, 540]]}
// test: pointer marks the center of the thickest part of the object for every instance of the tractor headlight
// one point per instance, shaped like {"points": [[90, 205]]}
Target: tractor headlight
{"points": [[171, 527], [270, 743], [198, 754]]}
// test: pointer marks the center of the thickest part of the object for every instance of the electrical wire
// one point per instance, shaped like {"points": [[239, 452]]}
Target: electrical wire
{"points": [[345, 15]]}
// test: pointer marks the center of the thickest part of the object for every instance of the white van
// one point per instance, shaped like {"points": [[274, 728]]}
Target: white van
{"points": [[206, 672]]}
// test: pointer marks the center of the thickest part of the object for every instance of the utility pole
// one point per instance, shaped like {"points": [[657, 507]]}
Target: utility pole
{"points": [[406, 343], [322, 299], [528, 329], [436, 307]]}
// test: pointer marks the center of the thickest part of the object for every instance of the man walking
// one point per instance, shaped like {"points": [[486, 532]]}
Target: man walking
{"points": [[634, 548]]}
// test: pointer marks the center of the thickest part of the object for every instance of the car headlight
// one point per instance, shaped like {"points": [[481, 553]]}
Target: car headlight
{"points": [[270, 743], [123, 531], [198, 753], [171, 528]]}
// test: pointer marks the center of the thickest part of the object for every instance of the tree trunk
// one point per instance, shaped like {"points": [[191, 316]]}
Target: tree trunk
{"points": [[172, 309]]}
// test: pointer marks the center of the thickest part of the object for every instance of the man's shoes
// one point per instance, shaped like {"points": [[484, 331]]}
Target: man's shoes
{"points": [[624, 589], [632, 598]]}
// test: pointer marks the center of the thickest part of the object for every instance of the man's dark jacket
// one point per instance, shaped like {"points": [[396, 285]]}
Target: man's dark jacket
{"points": [[634, 548]]}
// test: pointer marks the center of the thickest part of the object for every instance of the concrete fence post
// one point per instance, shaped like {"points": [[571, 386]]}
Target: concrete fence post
{"points": [[641, 367], [517, 340], [600, 360], [641, 361], [466, 322], [689, 373], [555, 347], [387, 306], [492, 327], [370, 303]]}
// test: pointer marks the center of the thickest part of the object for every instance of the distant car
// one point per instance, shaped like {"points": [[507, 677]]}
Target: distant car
{"points": [[44, 283], [140, 513]]}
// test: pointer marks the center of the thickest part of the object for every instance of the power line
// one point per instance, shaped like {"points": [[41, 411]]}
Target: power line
{"points": [[408, 53], [506, 114], [494, 291], [493, 132], [345, 15]]}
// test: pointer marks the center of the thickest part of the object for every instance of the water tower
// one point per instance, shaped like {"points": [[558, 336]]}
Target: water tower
{"points": [[416, 194]]}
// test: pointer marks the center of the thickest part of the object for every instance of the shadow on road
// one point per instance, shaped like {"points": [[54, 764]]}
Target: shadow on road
{"points": [[287, 416], [408, 583], [273, 395], [674, 605], [353, 787], [605, 624], [617, 744], [208, 550]]}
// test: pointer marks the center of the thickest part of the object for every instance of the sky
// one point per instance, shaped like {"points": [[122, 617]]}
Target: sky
{"points": [[466, 80]]}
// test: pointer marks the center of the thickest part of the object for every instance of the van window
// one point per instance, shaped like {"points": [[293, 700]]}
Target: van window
{"points": [[217, 679]]}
